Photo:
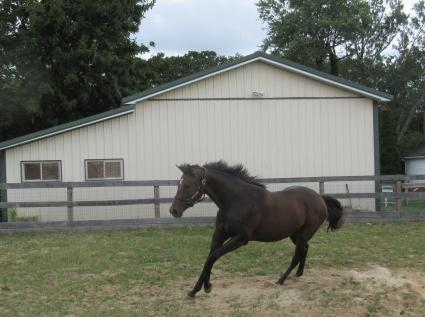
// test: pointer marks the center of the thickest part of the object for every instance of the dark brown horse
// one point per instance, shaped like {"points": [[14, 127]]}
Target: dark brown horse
{"points": [[249, 212]]}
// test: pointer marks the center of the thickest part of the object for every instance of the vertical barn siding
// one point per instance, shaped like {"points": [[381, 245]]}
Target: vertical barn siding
{"points": [[213, 119], [278, 138], [260, 77]]}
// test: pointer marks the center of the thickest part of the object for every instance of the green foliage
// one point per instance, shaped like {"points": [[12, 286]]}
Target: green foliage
{"points": [[322, 33], [62, 60], [390, 152], [406, 75], [27, 219], [11, 214], [164, 69]]}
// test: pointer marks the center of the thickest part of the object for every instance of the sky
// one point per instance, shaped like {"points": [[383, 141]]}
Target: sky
{"points": [[224, 26]]}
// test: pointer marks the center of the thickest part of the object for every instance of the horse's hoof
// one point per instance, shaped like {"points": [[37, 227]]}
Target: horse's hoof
{"points": [[208, 288], [191, 295]]}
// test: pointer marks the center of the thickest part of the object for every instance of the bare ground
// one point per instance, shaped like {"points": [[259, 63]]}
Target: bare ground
{"points": [[373, 291]]}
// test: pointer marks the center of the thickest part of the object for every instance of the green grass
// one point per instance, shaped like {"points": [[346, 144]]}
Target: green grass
{"points": [[411, 206], [113, 273]]}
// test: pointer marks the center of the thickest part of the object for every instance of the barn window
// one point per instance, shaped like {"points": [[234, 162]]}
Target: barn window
{"points": [[41, 171], [104, 169]]}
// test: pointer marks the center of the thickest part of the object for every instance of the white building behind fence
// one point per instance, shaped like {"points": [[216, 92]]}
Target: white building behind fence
{"points": [[278, 118]]}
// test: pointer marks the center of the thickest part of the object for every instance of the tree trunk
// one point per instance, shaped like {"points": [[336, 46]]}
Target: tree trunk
{"points": [[423, 122], [333, 61], [406, 123]]}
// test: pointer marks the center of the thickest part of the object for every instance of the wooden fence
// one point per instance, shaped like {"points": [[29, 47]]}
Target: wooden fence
{"points": [[401, 192]]}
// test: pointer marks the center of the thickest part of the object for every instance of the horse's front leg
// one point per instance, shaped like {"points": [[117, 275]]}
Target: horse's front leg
{"points": [[234, 243], [217, 241], [219, 237]]}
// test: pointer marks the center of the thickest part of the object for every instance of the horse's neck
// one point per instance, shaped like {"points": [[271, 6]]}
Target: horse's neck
{"points": [[225, 190]]}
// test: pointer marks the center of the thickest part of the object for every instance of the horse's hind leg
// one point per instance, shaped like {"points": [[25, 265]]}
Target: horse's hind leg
{"points": [[300, 251], [300, 270]]}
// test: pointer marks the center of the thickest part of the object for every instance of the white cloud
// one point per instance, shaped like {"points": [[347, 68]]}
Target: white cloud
{"points": [[224, 26]]}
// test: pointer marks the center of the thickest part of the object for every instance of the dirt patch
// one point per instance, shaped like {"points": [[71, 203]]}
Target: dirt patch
{"points": [[375, 291], [254, 293]]}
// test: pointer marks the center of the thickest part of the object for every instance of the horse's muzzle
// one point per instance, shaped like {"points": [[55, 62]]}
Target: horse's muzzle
{"points": [[176, 213]]}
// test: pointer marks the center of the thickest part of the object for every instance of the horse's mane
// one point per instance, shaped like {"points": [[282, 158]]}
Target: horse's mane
{"points": [[237, 170]]}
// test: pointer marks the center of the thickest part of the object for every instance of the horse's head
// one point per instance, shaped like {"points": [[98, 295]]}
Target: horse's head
{"points": [[190, 189]]}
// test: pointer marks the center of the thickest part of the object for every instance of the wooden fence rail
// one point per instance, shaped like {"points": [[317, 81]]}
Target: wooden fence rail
{"points": [[396, 196], [152, 183]]}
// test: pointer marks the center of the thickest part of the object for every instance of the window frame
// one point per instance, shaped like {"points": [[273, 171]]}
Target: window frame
{"points": [[120, 160], [24, 180]]}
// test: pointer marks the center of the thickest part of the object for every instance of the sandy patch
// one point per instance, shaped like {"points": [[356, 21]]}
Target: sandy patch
{"points": [[373, 291]]}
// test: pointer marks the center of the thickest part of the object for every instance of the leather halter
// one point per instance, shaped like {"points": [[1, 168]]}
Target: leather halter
{"points": [[199, 194]]}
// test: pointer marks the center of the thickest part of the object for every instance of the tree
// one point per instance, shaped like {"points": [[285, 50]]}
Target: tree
{"points": [[323, 33], [389, 149], [165, 69], [407, 74], [62, 60], [21, 77]]}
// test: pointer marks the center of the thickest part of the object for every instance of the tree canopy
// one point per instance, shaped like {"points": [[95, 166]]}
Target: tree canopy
{"points": [[168, 68], [322, 33], [61, 60]]}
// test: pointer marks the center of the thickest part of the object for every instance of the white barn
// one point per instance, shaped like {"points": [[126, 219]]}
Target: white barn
{"points": [[278, 118]]}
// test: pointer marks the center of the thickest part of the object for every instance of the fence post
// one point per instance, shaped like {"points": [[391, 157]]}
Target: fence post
{"points": [[398, 200], [156, 197], [70, 197], [321, 187], [3, 211], [3, 192], [406, 201]]}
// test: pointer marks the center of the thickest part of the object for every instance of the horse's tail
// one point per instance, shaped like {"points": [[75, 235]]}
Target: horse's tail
{"points": [[335, 214]]}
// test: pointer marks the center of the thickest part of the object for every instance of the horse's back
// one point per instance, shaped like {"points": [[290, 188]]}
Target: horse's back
{"points": [[289, 211], [315, 206], [301, 193]]}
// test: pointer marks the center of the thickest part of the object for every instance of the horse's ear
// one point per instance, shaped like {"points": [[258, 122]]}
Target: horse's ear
{"points": [[185, 168], [182, 168], [194, 170]]}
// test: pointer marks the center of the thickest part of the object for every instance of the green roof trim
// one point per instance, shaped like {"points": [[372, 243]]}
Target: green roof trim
{"points": [[67, 126], [307, 71]]}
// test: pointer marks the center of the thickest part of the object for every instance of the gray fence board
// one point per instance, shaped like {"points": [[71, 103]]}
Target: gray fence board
{"points": [[151, 183], [12, 227], [123, 202]]}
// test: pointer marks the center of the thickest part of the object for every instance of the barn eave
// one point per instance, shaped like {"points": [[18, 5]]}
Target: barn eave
{"points": [[121, 111]]}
